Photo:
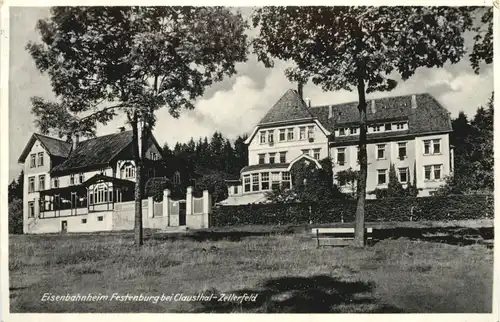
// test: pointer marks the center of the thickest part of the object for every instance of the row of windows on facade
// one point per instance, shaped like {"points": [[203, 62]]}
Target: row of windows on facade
{"points": [[33, 160], [430, 147], [305, 132], [431, 172], [271, 157], [266, 181], [385, 127]]}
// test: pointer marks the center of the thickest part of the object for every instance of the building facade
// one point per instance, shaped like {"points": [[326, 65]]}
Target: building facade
{"points": [[410, 132]]}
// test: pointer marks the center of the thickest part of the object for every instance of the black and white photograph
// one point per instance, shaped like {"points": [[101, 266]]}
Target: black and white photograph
{"points": [[253, 159]]}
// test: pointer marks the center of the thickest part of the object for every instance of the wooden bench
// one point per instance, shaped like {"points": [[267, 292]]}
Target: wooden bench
{"points": [[342, 236]]}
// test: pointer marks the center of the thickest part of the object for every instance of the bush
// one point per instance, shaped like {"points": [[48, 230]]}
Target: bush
{"points": [[155, 186], [16, 216], [437, 208], [216, 186]]}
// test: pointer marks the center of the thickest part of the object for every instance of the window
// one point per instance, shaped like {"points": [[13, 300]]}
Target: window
{"points": [[40, 159], [129, 171], [282, 157], [403, 175], [72, 179], [270, 136], [354, 130], [317, 153], [305, 151], [341, 156], [33, 160], [310, 132], [100, 195], [388, 126], [400, 126], [255, 182], [84, 220], [286, 182], [289, 134], [31, 184], [81, 178], [177, 178], [282, 135], [153, 156], [235, 190], [264, 178], [341, 132], [427, 147], [380, 151], [246, 181], [436, 145], [262, 158], [262, 137], [402, 150], [55, 183], [272, 158], [437, 172], [302, 133], [275, 180], [41, 182], [377, 128], [100, 218], [31, 209], [382, 176], [427, 172]]}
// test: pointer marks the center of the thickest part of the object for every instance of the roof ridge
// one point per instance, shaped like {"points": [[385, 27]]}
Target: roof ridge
{"points": [[50, 137], [105, 135], [371, 99]]}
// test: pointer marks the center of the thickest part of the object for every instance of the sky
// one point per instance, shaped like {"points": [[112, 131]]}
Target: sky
{"points": [[232, 106]]}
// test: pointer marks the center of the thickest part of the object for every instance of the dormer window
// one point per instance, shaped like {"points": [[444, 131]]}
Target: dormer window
{"points": [[400, 126], [377, 128], [341, 132], [388, 126], [354, 130]]}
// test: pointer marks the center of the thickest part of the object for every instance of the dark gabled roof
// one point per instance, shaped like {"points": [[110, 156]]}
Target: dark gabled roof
{"points": [[428, 117], [97, 151], [265, 166], [290, 107], [53, 146]]}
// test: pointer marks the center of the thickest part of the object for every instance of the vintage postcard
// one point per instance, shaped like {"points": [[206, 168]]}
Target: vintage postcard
{"points": [[267, 159]]}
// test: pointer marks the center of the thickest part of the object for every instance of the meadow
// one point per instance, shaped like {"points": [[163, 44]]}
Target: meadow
{"points": [[409, 269]]}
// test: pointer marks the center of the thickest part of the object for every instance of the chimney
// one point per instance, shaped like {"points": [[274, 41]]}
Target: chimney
{"points": [[330, 112], [373, 107], [308, 102], [76, 139], [414, 101], [300, 89]]}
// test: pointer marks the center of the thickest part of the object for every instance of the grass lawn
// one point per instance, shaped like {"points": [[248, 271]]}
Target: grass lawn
{"points": [[285, 270]]}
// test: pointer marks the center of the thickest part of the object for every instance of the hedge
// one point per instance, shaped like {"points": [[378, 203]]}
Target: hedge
{"points": [[435, 208]]}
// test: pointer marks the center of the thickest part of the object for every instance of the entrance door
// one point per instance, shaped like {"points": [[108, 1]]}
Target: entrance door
{"points": [[182, 213], [64, 226]]}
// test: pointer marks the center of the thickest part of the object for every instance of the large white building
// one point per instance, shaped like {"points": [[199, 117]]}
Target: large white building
{"points": [[411, 132]]}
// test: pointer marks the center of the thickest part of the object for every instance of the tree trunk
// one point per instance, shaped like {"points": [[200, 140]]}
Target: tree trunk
{"points": [[138, 183], [359, 235]]}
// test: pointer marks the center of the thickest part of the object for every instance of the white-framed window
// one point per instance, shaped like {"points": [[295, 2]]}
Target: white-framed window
{"points": [[289, 134], [436, 146], [403, 175], [177, 178], [310, 132], [31, 209], [342, 131], [437, 172], [264, 178], [100, 195], [40, 159], [153, 156], [81, 177], [275, 180], [255, 182], [270, 136], [129, 170], [33, 160], [341, 156], [41, 182], [354, 130], [427, 146], [72, 179], [286, 180], [377, 128], [55, 182], [381, 176], [31, 184], [302, 133], [400, 126], [305, 151], [282, 135], [272, 158], [262, 137], [402, 150], [380, 151], [246, 183], [262, 158], [316, 153], [428, 172], [282, 157]]}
